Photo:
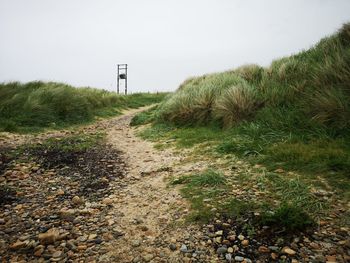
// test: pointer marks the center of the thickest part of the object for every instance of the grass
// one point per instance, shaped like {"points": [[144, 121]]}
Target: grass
{"points": [[291, 206], [37, 105], [308, 91], [293, 116], [198, 188]]}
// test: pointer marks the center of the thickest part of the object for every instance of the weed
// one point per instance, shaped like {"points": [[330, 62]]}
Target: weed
{"points": [[287, 216]]}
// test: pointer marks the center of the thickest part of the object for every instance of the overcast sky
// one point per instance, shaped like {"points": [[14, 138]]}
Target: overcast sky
{"points": [[80, 42]]}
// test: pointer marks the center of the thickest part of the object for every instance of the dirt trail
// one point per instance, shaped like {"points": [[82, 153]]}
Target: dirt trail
{"points": [[146, 210]]}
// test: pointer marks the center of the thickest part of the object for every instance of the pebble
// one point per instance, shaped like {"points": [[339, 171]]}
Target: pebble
{"points": [[263, 249], [107, 201], [245, 242], [148, 257], [76, 200], [49, 237], [57, 254], [288, 251], [219, 233], [241, 237], [239, 259], [173, 247], [221, 250], [18, 245], [183, 248], [136, 243]]}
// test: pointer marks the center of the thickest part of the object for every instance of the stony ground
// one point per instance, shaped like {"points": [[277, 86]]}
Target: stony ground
{"points": [[113, 203]]}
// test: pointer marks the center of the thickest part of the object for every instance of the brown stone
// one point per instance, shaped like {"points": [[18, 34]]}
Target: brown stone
{"points": [[245, 242], [263, 249], [274, 256], [49, 237], [331, 258], [288, 251], [18, 245], [107, 201]]}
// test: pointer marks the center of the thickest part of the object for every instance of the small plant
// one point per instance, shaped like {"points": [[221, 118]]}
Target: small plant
{"points": [[288, 216], [143, 117], [236, 104], [207, 178]]}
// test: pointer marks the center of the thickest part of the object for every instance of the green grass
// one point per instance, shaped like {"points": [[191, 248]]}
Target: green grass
{"points": [[307, 91], [198, 188], [37, 105], [291, 205], [293, 116], [143, 117]]}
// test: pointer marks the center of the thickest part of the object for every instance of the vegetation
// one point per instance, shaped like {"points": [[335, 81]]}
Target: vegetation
{"points": [[37, 105], [293, 116], [209, 193]]}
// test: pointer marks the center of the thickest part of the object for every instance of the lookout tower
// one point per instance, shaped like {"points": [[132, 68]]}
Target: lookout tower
{"points": [[122, 74]]}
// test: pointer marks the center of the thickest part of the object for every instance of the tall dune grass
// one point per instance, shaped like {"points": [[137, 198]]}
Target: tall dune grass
{"points": [[308, 90], [39, 104]]}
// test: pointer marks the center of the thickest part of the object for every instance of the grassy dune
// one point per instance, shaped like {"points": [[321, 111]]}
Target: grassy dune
{"points": [[37, 105], [291, 116]]}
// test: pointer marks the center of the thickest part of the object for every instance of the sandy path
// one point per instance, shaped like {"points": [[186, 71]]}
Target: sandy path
{"points": [[146, 210]]}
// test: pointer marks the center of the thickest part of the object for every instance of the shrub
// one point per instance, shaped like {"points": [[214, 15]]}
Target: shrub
{"points": [[236, 104], [287, 216]]}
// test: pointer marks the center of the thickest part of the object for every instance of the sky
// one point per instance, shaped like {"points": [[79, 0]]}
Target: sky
{"points": [[80, 42]]}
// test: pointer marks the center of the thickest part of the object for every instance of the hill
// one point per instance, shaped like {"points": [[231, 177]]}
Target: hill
{"points": [[36, 105], [290, 122]]}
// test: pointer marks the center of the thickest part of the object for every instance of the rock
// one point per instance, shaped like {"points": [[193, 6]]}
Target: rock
{"points": [[231, 237], [245, 242], [82, 247], [288, 251], [172, 246], [136, 243], [2, 221], [331, 258], [18, 245], [92, 236], [144, 228], [218, 240], [230, 250], [49, 237], [107, 201], [241, 237], [263, 249], [67, 214], [57, 254], [183, 248], [221, 250], [274, 256], [38, 252], [239, 259], [60, 192], [148, 257], [219, 233], [76, 200], [228, 257]]}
